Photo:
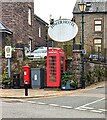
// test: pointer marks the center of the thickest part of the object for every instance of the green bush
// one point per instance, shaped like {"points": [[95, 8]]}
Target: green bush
{"points": [[68, 77], [6, 81], [89, 77], [99, 72]]}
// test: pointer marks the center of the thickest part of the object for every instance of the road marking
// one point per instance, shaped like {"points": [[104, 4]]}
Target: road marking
{"points": [[92, 102], [78, 108], [83, 107], [32, 102], [104, 110], [69, 107], [97, 111], [40, 103], [54, 105], [88, 108]]}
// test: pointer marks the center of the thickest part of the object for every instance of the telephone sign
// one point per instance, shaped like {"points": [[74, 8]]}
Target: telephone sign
{"points": [[8, 52]]}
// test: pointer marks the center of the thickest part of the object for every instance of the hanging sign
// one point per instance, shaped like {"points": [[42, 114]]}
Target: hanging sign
{"points": [[63, 30]]}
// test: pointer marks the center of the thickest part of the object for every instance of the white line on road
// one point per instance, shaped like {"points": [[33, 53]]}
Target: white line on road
{"points": [[89, 108], [32, 102], [92, 102], [104, 110], [69, 107], [97, 111], [78, 108], [83, 107], [40, 103], [54, 105]]}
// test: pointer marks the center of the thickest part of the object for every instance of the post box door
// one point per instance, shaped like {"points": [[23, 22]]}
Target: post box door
{"points": [[26, 74]]}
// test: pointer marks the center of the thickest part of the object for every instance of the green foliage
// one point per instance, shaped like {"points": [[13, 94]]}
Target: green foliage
{"points": [[99, 72], [8, 41], [5, 79], [68, 50], [40, 63], [95, 76], [68, 77], [74, 83], [105, 72], [90, 77], [3, 53], [68, 62], [65, 77]]}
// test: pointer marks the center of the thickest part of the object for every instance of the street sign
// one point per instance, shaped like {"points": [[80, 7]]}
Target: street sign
{"points": [[8, 52], [84, 52]]}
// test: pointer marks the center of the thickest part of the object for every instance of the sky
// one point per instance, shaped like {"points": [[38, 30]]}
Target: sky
{"points": [[54, 8]]}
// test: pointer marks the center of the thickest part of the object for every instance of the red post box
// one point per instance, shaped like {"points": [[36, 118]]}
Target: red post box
{"points": [[55, 66], [26, 71]]}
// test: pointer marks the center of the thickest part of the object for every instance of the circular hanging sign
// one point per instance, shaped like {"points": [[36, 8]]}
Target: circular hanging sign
{"points": [[63, 30]]}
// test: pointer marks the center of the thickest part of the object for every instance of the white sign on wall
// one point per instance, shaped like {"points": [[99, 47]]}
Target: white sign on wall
{"points": [[63, 30], [8, 52]]}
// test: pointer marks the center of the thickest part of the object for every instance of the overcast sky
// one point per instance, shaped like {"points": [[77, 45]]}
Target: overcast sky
{"points": [[56, 8]]}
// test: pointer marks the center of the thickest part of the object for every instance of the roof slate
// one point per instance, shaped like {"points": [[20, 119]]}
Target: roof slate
{"points": [[4, 28], [91, 0], [95, 6]]}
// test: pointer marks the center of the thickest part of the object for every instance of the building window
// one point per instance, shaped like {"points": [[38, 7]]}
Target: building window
{"points": [[97, 44], [98, 25], [97, 47], [30, 44], [29, 16], [39, 31]]}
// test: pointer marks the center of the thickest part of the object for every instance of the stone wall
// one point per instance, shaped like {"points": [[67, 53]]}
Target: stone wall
{"points": [[40, 24], [95, 72]]}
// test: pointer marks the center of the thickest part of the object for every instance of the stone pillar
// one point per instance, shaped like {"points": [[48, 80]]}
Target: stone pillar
{"points": [[76, 65]]}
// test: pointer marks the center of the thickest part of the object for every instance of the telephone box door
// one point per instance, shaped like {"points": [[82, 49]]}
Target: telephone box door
{"points": [[55, 67], [51, 73]]}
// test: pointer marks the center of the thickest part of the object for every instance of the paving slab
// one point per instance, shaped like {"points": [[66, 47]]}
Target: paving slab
{"points": [[37, 93]]}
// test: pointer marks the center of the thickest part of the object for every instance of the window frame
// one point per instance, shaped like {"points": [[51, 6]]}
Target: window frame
{"points": [[39, 31], [29, 16], [97, 25], [97, 44]]}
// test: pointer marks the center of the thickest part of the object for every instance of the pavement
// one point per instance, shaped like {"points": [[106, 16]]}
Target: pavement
{"points": [[46, 92]]}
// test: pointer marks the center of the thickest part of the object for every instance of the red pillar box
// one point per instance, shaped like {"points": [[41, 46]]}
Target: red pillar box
{"points": [[26, 70], [55, 66]]}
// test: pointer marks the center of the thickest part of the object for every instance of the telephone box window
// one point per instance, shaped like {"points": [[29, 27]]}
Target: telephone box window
{"points": [[52, 60]]}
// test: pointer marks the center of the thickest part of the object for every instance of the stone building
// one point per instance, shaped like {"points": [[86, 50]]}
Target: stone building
{"points": [[95, 17], [39, 31], [28, 29], [18, 16]]}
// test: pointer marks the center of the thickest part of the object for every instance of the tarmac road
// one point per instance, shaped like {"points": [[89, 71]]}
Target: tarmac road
{"points": [[86, 104]]}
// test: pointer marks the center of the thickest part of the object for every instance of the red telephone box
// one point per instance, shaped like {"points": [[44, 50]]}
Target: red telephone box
{"points": [[26, 74], [55, 66]]}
